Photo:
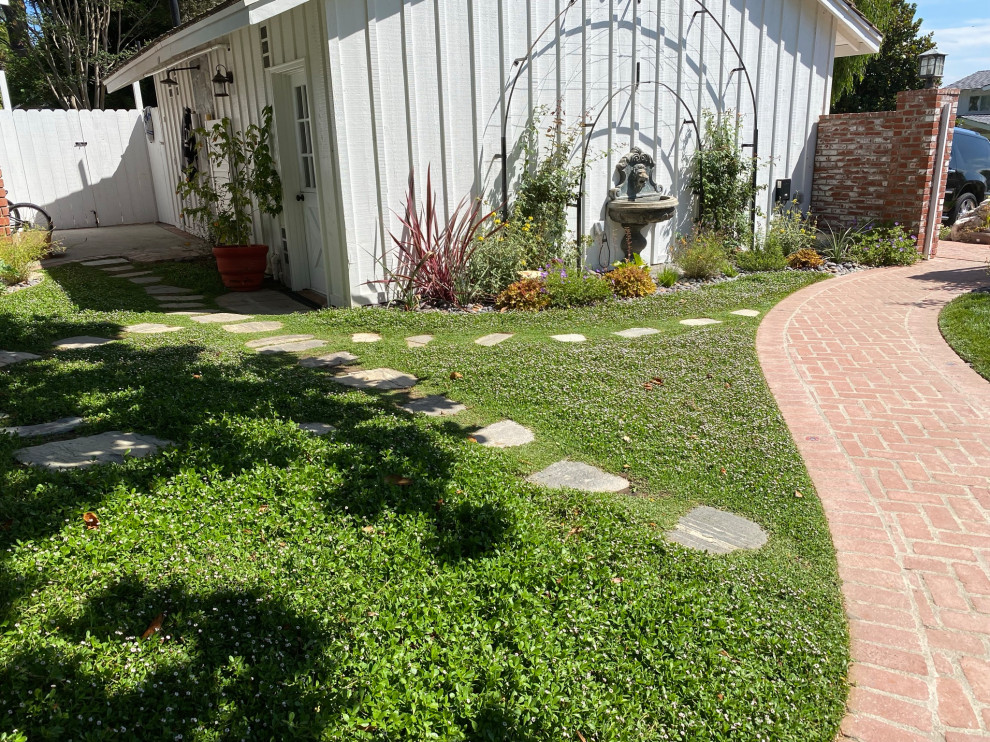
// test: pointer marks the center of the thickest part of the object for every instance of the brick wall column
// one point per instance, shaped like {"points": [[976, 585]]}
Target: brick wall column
{"points": [[4, 213]]}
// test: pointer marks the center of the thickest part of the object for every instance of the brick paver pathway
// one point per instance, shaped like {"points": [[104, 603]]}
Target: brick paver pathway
{"points": [[895, 430]]}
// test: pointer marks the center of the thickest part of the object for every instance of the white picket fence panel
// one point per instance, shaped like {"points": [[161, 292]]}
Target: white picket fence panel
{"points": [[83, 167]]}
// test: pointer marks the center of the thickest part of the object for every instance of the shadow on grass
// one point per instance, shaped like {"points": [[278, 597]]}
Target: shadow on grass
{"points": [[91, 288]]}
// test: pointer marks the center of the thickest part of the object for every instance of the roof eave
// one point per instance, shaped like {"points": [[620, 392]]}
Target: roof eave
{"points": [[855, 34]]}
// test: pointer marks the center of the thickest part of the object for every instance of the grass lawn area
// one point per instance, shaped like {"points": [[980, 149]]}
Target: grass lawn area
{"points": [[965, 325], [307, 596]]}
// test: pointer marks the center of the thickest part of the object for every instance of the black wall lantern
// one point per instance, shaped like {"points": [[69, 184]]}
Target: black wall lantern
{"points": [[170, 80], [221, 80], [931, 67]]}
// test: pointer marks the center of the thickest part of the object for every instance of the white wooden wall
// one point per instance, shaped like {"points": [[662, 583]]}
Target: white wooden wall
{"points": [[79, 165]]}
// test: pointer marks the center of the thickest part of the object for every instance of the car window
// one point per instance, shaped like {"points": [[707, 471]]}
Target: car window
{"points": [[970, 153]]}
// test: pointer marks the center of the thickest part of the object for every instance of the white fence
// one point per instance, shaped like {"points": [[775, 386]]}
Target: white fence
{"points": [[83, 167]]}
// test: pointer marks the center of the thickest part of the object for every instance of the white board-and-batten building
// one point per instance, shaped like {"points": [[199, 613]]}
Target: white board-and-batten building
{"points": [[365, 92]]}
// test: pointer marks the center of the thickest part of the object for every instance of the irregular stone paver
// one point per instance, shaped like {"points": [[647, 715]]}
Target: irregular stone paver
{"points": [[151, 328], [276, 340], [133, 274], [329, 360], [317, 428], [293, 347], [8, 357], [578, 476], [247, 327], [700, 322], [434, 406], [494, 338], [94, 449], [166, 289], [504, 434], [893, 427], [105, 261], [418, 341], [56, 427], [193, 313], [179, 297], [572, 338], [265, 302], [116, 268], [145, 279], [746, 313], [636, 332], [377, 378], [79, 342], [716, 531], [178, 305], [221, 317], [365, 337]]}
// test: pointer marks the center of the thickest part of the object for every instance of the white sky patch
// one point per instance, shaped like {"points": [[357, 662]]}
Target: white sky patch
{"points": [[965, 47]]}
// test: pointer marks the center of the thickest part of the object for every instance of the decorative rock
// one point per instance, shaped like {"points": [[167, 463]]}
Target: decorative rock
{"points": [[504, 434], [94, 449], [179, 305], [246, 327], [275, 340], [133, 274], [574, 338], [221, 317], [365, 337], [377, 378], [330, 360], [80, 342], [293, 347], [63, 425], [636, 332], [8, 357], [700, 322], [746, 313], [166, 289], [418, 341], [494, 339], [433, 406], [578, 476], [105, 261], [716, 532], [317, 428], [150, 328], [145, 279]]}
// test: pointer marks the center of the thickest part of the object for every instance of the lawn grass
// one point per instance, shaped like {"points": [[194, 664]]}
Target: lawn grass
{"points": [[307, 596], [965, 325]]}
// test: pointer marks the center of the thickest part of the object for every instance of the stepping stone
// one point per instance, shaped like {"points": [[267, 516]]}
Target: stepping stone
{"points": [[177, 305], [105, 261], [330, 360], [166, 289], [433, 406], [636, 332], [192, 314], [221, 317], [578, 476], [575, 338], [275, 340], [716, 531], [8, 357], [377, 378], [78, 453], [63, 425], [116, 268], [365, 337], [151, 328], [700, 322], [247, 327], [317, 428], [145, 279], [80, 342], [133, 274], [746, 313], [504, 434], [494, 339], [293, 347], [418, 341], [178, 297]]}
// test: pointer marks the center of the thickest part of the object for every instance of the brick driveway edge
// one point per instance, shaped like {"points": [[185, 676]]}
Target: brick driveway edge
{"points": [[895, 431]]}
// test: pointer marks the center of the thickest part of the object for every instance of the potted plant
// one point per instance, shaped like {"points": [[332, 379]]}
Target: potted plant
{"points": [[224, 206]]}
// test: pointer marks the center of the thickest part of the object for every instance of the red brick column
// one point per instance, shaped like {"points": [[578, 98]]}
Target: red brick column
{"points": [[4, 213]]}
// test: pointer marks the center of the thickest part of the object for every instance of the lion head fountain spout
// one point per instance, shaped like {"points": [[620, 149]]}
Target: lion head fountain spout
{"points": [[636, 201]]}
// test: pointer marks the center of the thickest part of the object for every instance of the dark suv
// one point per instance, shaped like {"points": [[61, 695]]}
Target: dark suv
{"points": [[969, 174]]}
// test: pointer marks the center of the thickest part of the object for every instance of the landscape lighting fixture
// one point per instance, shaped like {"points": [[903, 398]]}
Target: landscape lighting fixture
{"points": [[221, 80], [931, 67]]}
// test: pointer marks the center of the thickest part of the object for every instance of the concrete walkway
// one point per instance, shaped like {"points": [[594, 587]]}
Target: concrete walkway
{"points": [[142, 243], [895, 430]]}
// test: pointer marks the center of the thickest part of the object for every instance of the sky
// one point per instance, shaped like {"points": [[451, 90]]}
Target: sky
{"points": [[962, 31]]}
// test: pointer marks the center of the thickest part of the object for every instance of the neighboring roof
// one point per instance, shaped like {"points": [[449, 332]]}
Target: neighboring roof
{"points": [[972, 82], [978, 118]]}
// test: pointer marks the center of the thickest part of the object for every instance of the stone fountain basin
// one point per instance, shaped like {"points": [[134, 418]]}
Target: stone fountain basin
{"points": [[642, 211]]}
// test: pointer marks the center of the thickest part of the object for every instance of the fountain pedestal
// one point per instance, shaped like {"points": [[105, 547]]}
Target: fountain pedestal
{"points": [[636, 201]]}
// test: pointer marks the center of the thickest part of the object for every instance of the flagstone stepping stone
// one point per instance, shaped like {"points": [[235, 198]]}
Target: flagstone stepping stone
{"points": [[221, 317], [178, 297], [133, 274], [275, 340], [573, 338], [377, 378], [716, 531], [494, 339], [179, 305], [746, 313], [80, 342], [191, 313], [145, 279], [293, 347], [504, 434], [433, 406], [116, 268], [8, 357], [365, 337], [578, 476], [56, 427], [636, 332], [418, 341], [317, 428], [105, 448], [105, 261], [330, 360], [246, 327], [151, 328], [166, 289], [700, 321]]}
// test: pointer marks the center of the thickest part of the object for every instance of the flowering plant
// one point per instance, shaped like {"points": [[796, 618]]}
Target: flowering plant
{"points": [[885, 244]]}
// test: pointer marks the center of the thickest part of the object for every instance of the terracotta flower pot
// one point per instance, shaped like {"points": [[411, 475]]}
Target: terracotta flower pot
{"points": [[242, 267]]}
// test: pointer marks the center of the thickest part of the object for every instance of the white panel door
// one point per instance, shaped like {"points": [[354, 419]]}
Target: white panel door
{"points": [[308, 196]]}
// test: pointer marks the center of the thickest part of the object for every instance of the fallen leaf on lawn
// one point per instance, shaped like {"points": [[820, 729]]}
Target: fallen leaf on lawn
{"points": [[154, 627], [368, 529], [581, 737], [626, 438], [455, 375], [472, 439], [197, 376], [728, 385], [648, 386], [658, 379], [263, 509], [653, 525], [397, 480], [722, 470], [626, 466], [797, 493], [693, 437], [91, 521], [574, 531], [438, 504], [617, 580]]}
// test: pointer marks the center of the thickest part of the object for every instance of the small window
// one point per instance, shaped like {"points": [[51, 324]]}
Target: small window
{"points": [[266, 57], [979, 104]]}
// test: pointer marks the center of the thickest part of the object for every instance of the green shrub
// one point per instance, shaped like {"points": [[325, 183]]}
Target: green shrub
{"points": [[514, 246], [885, 245], [945, 232], [20, 252], [667, 277], [528, 294], [762, 257], [805, 258], [836, 245], [790, 231], [702, 254], [629, 281], [571, 288]]}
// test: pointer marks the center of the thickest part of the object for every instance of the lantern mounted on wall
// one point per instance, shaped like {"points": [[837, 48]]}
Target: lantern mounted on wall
{"points": [[931, 67], [221, 80]]}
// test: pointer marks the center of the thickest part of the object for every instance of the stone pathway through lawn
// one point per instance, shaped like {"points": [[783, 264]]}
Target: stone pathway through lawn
{"points": [[895, 430]]}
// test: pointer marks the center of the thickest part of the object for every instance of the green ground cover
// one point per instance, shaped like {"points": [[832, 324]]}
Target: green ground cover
{"points": [[307, 596], [965, 325]]}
